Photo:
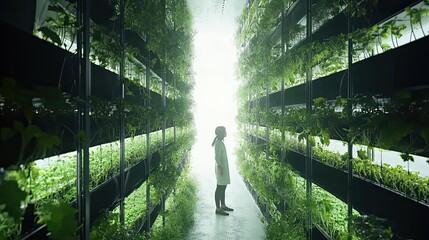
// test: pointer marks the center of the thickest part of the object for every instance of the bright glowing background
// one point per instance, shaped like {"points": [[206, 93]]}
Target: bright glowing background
{"points": [[215, 89], [214, 68]]}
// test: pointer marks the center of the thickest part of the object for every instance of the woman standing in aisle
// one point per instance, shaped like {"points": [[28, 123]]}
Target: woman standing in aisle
{"points": [[221, 170]]}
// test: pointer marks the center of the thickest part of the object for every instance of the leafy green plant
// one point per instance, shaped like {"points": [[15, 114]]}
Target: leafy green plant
{"points": [[371, 227], [110, 228], [22, 138], [59, 25], [373, 121], [274, 181], [175, 152], [180, 208], [56, 180], [395, 178], [59, 219], [10, 208]]}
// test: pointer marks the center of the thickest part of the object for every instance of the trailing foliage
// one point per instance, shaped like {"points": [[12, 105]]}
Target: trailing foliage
{"points": [[180, 209], [275, 182], [170, 167], [328, 55], [395, 123], [371, 227], [393, 177], [110, 228], [162, 182], [50, 184]]}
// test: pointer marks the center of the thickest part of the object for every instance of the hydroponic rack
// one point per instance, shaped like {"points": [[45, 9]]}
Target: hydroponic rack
{"points": [[276, 84], [56, 101]]}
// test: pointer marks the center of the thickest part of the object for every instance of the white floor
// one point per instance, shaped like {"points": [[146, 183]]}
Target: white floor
{"points": [[244, 223]]}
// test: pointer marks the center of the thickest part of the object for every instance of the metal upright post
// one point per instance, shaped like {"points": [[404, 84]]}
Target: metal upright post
{"points": [[282, 99], [267, 105], [79, 157], [148, 154], [175, 87], [86, 115], [174, 99], [256, 105], [164, 100], [309, 97], [267, 129], [122, 113], [349, 143], [247, 124], [164, 77]]}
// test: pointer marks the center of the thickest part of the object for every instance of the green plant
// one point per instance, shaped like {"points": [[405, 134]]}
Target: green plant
{"points": [[175, 152], [395, 123], [110, 228], [10, 208], [370, 227], [59, 25], [395, 178], [273, 181], [180, 208], [59, 219], [23, 138]]}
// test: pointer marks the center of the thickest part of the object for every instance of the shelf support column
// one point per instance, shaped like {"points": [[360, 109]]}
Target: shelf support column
{"points": [[83, 118], [122, 113], [350, 112], [282, 98], [267, 128], [309, 98], [164, 101], [267, 106], [174, 99], [174, 80], [257, 123], [79, 157], [148, 130]]}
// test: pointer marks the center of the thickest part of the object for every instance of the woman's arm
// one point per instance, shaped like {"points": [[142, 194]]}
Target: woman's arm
{"points": [[218, 157]]}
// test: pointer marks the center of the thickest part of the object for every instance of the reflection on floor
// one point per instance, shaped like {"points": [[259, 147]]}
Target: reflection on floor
{"points": [[244, 223]]}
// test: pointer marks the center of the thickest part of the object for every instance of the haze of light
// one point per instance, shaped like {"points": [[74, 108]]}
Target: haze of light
{"points": [[214, 67]]}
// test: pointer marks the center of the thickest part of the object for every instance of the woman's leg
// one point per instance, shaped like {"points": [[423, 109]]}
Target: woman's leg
{"points": [[222, 200], [218, 195], [220, 189], [222, 195]]}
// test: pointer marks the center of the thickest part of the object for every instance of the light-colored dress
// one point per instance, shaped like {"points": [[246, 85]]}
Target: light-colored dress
{"points": [[221, 160]]}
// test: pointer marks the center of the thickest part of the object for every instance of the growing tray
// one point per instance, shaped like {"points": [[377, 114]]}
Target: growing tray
{"points": [[406, 216]]}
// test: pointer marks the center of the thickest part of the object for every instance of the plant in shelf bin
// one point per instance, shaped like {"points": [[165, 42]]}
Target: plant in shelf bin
{"points": [[111, 228], [396, 124], [10, 208], [370, 227], [416, 15], [59, 24], [25, 112], [59, 219], [23, 138]]}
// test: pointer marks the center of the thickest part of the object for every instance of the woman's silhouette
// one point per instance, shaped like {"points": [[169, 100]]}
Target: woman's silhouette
{"points": [[221, 170]]}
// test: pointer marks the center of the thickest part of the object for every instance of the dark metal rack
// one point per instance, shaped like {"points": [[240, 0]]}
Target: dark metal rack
{"points": [[35, 62], [384, 74]]}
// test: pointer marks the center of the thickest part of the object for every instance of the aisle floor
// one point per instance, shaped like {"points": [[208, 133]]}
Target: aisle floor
{"points": [[244, 223]]}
